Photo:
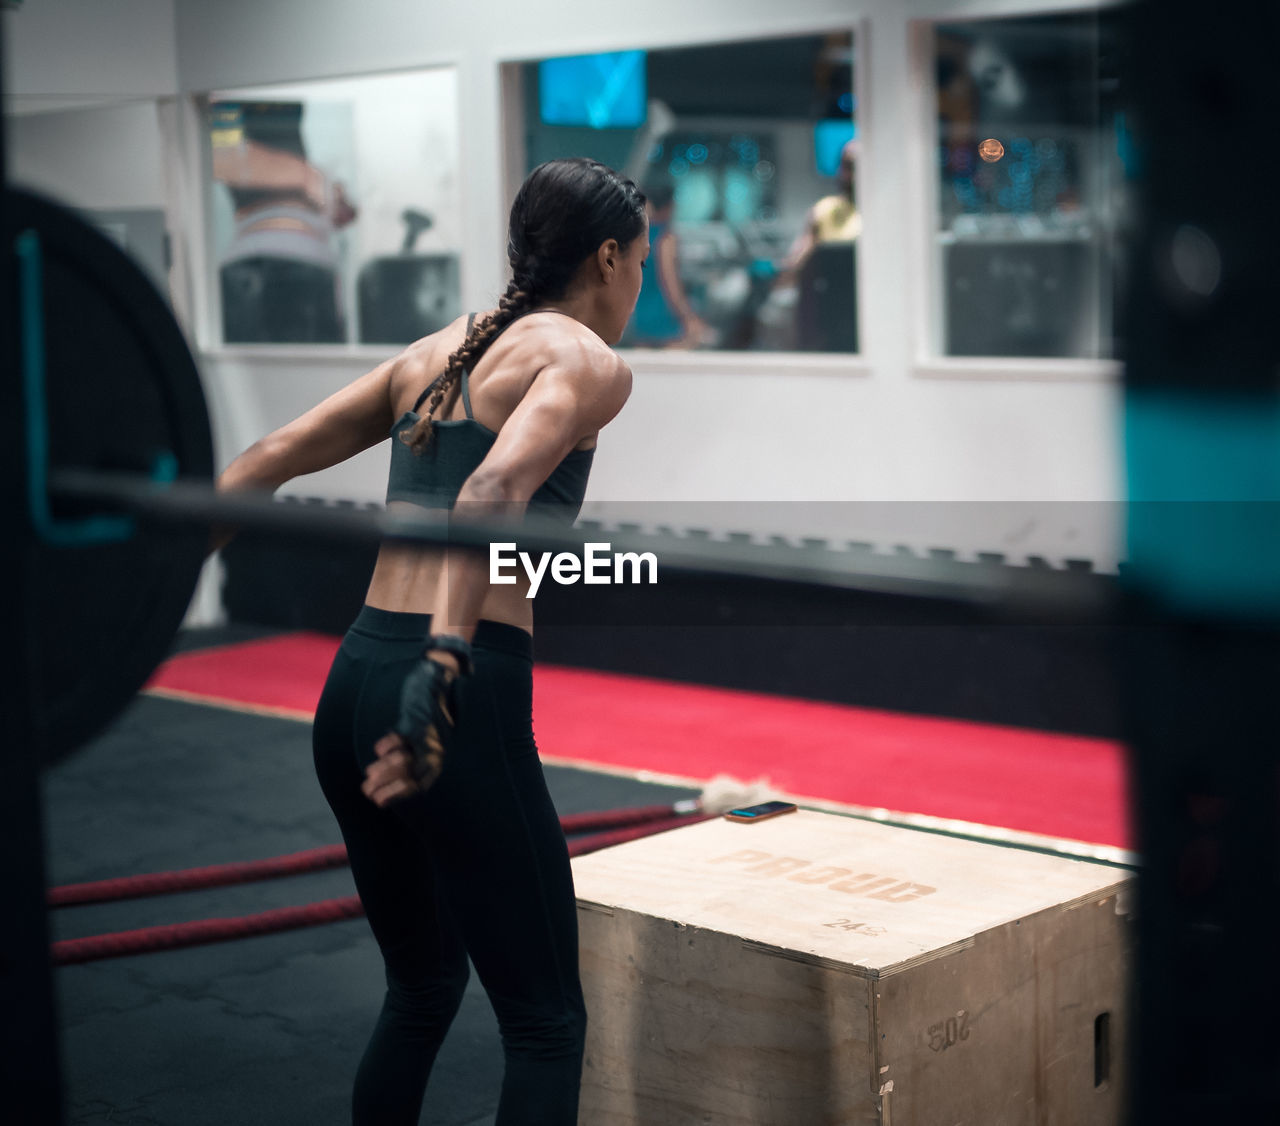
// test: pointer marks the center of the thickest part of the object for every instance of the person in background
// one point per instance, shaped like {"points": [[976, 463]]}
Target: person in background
{"points": [[664, 316], [279, 275], [819, 267], [834, 218]]}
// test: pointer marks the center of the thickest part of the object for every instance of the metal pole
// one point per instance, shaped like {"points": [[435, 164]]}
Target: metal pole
{"points": [[30, 1068], [1006, 591], [1202, 425]]}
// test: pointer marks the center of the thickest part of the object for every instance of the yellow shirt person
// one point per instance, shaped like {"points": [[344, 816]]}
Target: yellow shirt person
{"points": [[835, 219]]}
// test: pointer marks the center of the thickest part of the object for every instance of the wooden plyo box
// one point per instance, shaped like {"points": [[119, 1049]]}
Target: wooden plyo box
{"points": [[818, 970]]}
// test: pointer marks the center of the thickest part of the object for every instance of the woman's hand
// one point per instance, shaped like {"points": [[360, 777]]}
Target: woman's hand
{"points": [[411, 756], [389, 778], [695, 332]]}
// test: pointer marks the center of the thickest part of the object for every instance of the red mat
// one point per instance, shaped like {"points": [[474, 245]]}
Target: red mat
{"points": [[1063, 786]]}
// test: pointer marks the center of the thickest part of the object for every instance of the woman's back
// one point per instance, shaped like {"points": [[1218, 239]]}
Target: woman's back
{"points": [[504, 373], [408, 579]]}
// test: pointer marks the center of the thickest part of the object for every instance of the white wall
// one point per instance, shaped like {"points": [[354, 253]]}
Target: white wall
{"points": [[82, 80], [891, 426], [100, 157], [812, 434], [62, 53]]}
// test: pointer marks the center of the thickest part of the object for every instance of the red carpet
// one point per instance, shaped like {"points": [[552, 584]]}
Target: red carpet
{"points": [[1058, 785]]}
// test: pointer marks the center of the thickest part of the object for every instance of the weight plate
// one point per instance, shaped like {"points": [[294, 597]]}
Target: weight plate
{"points": [[121, 389]]}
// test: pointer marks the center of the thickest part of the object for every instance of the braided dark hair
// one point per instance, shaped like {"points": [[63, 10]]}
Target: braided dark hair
{"points": [[564, 210]]}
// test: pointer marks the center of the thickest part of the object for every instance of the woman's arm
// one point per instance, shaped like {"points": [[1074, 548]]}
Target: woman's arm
{"points": [[252, 164], [568, 400], [692, 327], [799, 251], [347, 422]]}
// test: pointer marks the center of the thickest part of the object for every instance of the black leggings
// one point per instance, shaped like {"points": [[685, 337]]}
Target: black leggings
{"points": [[476, 866]]}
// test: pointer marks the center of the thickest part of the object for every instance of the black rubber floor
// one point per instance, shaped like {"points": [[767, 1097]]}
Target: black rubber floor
{"points": [[258, 1031]]}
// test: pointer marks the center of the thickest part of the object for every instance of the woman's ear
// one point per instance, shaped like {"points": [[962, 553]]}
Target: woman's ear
{"points": [[607, 259]]}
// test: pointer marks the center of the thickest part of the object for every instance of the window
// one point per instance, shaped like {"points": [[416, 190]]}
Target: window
{"points": [[1030, 143], [746, 152], [336, 210]]}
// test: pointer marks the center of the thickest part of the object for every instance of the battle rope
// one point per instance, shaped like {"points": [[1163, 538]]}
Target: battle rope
{"points": [[623, 825], [616, 818], [191, 879], [312, 860], [147, 939]]}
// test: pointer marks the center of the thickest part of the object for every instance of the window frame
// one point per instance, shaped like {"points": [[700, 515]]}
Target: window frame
{"points": [[206, 296], [927, 299], [719, 361]]}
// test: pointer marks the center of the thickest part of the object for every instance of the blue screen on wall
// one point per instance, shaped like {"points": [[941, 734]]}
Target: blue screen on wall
{"points": [[602, 91], [829, 138]]}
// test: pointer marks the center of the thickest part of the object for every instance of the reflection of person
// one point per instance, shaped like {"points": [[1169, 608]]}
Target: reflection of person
{"points": [[664, 317], [435, 675], [819, 268], [279, 275], [834, 218]]}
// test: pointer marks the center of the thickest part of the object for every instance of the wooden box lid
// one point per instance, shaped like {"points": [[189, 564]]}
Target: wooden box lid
{"points": [[857, 895]]}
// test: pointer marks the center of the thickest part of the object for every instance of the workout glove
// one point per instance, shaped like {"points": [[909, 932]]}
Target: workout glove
{"points": [[428, 717]]}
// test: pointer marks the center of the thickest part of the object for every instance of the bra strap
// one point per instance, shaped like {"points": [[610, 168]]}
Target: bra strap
{"points": [[466, 395], [432, 385]]}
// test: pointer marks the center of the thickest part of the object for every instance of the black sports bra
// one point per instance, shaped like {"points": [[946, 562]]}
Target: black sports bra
{"points": [[434, 478]]}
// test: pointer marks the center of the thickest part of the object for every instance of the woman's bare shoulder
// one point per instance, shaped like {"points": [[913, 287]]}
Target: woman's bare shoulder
{"points": [[569, 344], [413, 368]]}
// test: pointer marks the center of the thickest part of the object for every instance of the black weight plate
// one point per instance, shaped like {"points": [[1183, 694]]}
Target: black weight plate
{"points": [[121, 387]]}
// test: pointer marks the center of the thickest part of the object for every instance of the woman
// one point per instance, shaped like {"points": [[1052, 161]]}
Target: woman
{"points": [[435, 676], [664, 317]]}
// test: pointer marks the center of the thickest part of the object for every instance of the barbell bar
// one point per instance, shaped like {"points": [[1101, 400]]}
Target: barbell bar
{"points": [[1015, 590]]}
